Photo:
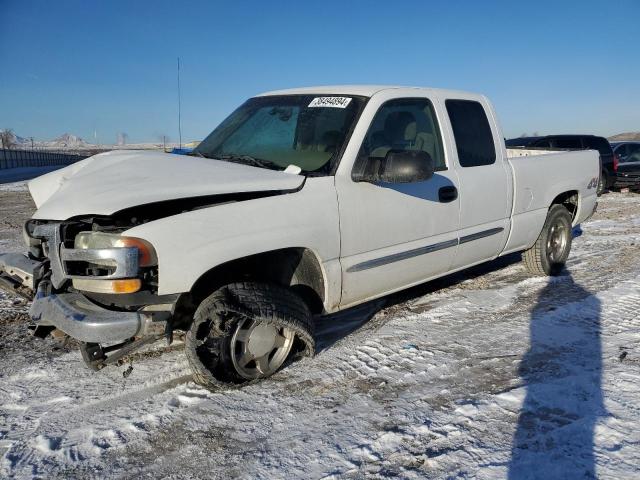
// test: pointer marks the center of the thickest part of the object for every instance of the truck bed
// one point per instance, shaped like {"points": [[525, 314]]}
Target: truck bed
{"points": [[538, 177]]}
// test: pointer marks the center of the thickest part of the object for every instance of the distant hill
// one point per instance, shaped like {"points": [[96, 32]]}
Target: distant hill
{"points": [[20, 140], [66, 141], [627, 136], [70, 142]]}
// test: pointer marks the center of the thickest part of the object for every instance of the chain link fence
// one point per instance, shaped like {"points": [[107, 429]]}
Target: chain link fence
{"points": [[33, 158]]}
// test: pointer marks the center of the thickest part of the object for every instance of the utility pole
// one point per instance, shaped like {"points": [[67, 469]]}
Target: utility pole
{"points": [[179, 109], [31, 138]]}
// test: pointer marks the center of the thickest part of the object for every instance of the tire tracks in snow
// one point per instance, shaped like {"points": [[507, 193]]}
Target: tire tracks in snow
{"points": [[427, 386]]}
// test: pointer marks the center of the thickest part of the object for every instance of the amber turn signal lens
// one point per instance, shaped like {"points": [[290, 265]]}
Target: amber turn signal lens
{"points": [[146, 253], [126, 285]]}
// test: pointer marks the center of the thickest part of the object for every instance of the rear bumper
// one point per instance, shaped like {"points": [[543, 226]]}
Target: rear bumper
{"points": [[622, 181]]}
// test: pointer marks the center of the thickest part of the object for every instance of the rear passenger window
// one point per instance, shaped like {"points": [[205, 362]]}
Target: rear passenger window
{"points": [[621, 151], [474, 140], [633, 153]]}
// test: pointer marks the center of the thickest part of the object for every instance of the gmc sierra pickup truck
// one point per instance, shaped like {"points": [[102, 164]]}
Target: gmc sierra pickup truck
{"points": [[302, 202]]}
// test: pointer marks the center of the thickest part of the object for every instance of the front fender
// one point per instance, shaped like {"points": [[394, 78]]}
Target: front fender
{"points": [[192, 243]]}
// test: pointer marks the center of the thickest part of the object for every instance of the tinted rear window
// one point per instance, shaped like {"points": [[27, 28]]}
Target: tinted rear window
{"points": [[566, 142], [471, 130], [520, 142], [542, 143]]}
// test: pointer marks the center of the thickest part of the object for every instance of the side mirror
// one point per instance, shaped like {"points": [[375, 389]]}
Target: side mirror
{"points": [[406, 166]]}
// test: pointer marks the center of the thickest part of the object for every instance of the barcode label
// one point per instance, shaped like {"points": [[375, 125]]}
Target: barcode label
{"points": [[332, 102]]}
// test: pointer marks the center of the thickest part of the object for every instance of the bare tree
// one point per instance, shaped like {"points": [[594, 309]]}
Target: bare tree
{"points": [[7, 138]]}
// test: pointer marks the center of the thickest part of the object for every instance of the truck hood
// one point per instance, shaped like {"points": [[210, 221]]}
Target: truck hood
{"points": [[112, 181]]}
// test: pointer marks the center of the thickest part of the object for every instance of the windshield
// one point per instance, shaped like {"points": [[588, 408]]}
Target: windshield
{"points": [[307, 131]]}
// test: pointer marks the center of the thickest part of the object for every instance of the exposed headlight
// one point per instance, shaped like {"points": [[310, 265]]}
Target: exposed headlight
{"points": [[100, 248], [99, 240]]}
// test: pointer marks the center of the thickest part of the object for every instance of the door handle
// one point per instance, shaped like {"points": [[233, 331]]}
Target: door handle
{"points": [[447, 194]]}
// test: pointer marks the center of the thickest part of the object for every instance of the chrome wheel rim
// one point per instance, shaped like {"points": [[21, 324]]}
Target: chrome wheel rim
{"points": [[258, 349], [557, 242]]}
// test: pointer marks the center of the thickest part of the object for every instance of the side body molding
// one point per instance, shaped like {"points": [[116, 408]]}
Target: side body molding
{"points": [[423, 250]]}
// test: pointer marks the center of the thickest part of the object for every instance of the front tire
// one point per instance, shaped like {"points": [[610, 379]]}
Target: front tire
{"points": [[247, 331], [550, 252]]}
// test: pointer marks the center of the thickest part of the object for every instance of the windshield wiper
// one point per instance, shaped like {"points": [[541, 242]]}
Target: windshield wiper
{"points": [[248, 160]]}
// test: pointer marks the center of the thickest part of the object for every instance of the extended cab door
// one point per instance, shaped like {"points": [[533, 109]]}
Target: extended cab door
{"points": [[394, 235], [484, 175]]}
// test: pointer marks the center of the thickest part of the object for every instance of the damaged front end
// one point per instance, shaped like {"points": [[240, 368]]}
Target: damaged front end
{"points": [[19, 274], [93, 284]]}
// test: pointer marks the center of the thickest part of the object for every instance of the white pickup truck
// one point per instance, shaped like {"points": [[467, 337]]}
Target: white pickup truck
{"points": [[302, 202]]}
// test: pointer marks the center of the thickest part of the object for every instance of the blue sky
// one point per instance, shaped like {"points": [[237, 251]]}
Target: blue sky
{"points": [[110, 66]]}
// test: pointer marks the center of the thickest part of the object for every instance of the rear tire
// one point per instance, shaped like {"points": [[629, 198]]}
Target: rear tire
{"points": [[247, 331], [550, 252]]}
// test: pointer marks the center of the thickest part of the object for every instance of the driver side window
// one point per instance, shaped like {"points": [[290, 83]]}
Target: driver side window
{"points": [[402, 124]]}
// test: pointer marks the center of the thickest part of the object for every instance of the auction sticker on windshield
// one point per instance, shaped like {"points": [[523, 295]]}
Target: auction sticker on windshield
{"points": [[333, 102]]}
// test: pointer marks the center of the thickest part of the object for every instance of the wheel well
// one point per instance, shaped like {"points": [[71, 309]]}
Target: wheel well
{"points": [[569, 200], [297, 268]]}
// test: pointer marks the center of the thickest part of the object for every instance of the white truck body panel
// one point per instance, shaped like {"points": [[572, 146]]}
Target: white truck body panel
{"points": [[190, 244], [379, 222], [486, 193], [112, 181], [525, 152], [369, 239], [535, 190]]}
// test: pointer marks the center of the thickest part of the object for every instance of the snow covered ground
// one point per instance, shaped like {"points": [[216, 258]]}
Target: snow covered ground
{"points": [[484, 374]]}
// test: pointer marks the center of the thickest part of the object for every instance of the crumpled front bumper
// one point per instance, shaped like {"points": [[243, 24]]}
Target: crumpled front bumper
{"points": [[71, 313], [83, 320]]}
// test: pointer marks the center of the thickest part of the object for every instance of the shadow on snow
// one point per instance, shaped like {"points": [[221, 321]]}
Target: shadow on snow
{"points": [[561, 372]]}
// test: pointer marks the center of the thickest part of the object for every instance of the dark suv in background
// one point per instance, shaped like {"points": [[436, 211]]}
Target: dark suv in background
{"points": [[628, 171], [608, 161]]}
